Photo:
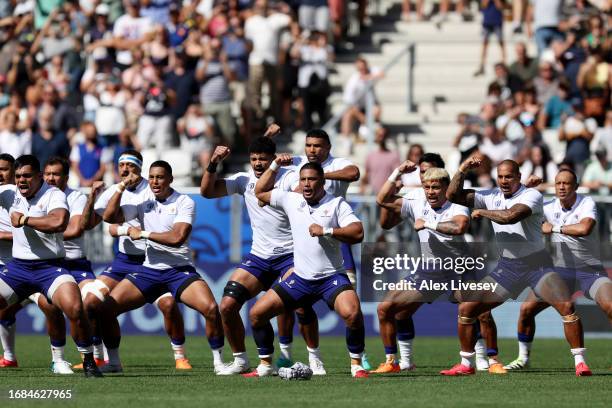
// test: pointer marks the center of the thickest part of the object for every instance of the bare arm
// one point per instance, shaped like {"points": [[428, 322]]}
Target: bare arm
{"points": [[512, 215], [54, 222], [74, 228], [349, 173], [6, 236], [267, 179], [210, 187], [458, 225], [173, 238], [90, 219], [455, 192], [112, 212], [580, 229], [351, 234], [391, 205]]}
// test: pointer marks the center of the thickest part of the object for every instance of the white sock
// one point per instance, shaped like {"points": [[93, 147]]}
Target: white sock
{"points": [[285, 350], [480, 349], [390, 357], [405, 349], [467, 359], [578, 355], [113, 356], [179, 350], [314, 353], [217, 356], [105, 352], [493, 360], [7, 337], [241, 358], [524, 349], [99, 351], [57, 353]]}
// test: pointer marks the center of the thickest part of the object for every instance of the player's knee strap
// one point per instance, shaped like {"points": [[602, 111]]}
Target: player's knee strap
{"points": [[237, 291], [571, 318], [95, 288], [34, 298], [466, 320], [165, 295], [307, 317]]}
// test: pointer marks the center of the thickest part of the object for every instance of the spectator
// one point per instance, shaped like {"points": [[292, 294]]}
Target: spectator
{"points": [[415, 153], [156, 126], [12, 140], [182, 82], [578, 133], [571, 55], [178, 31], [598, 173], [594, 82], [525, 67], [110, 114], [603, 136], [379, 164], [556, 109], [197, 134], [546, 17], [508, 82], [47, 142], [314, 55], [132, 27], [546, 85], [88, 159], [263, 28], [541, 165], [215, 75], [313, 15], [492, 23], [354, 96], [495, 146]]}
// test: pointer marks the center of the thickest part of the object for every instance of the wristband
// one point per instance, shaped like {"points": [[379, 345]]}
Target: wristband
{"points": [[120, 187], [145, 234], [557, 229], [432, 225], [212, 167], [122, 230], [22, 220], [393, 177], [25, 220], [328, 232], [274, 166]]}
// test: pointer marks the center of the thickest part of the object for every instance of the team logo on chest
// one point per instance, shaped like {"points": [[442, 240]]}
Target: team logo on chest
{"points": [[251, 186], [498, 203], [301, 207], [557, 215]]}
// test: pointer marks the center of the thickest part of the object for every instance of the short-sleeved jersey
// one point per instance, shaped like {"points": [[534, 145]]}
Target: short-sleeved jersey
{"points": [[336, 188], [29, 244], [314, 257], [129, 200], [271, 230], [7, 197], [75, 248], [524, 237], [158, 216], [573, 251], [421, 209]]}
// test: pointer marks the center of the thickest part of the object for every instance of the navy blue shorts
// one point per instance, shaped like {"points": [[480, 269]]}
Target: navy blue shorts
{"points": [[80, 269], [298, 292], [347, 256], [153, 283], [123, 265], [515, 274], [267, 271], [26, 277], [581, 279]]}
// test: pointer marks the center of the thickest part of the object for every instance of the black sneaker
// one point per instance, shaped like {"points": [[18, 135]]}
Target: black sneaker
{"points": [[90, 369]]}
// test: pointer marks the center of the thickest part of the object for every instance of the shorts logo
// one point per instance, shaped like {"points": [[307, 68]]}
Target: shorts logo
{"points": [[290, 283], [3, 271], [186, 273], [134, 275], [335, 282], [247, 262], [84, 275]]}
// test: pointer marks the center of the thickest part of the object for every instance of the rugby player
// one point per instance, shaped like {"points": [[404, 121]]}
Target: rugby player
{"points": [[319, 223], [516, 213], [271, 255], [167, 218], [131, 255], [39, 216], [570, 221]]}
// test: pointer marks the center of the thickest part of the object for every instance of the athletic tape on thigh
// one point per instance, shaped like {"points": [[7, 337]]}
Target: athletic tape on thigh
{"points": [[466, 320]]}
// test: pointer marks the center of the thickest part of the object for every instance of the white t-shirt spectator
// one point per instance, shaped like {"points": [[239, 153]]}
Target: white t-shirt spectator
{"points": [[263, 32], [130, 28], [15, 143], [354, 90]]}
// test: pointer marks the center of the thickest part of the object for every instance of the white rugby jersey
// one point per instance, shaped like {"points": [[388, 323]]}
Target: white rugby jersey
{"points": [[314, 257], [129, 201], [75, 248], [7, 196], [524, 237], [28, 243], [157, 216], [421, 209], [271, 229], [336, 188], [577, 250]]}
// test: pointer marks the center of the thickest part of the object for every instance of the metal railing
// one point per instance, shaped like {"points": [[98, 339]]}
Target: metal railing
{"points": [[368, 93]]}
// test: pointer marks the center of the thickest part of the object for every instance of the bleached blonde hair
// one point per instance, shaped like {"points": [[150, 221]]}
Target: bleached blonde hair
{"points": [[436, 173]]}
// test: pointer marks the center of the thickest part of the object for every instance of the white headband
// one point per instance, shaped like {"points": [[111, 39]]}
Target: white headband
{"points": [[128, 158]]}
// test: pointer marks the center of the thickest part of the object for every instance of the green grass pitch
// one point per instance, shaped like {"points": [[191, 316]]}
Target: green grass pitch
{"points": [[150, 380]]}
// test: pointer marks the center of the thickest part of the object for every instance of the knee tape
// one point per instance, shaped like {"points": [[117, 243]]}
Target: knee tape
{"points": [[466, 320], [95, 288], [237, 291], [571, 318]]}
